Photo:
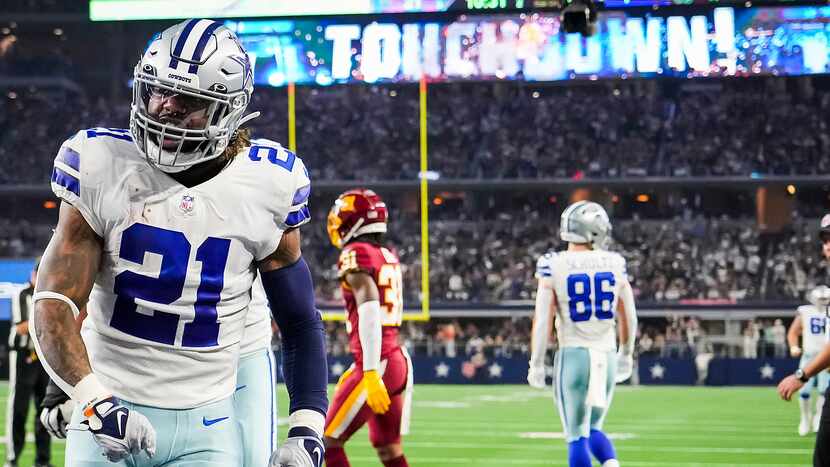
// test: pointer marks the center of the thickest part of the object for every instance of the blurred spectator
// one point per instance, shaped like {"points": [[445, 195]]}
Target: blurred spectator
{"points": [[751, 335]]}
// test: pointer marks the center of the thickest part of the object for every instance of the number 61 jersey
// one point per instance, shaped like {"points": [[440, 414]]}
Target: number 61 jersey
{"points": [[587, 285], [168, 308]]}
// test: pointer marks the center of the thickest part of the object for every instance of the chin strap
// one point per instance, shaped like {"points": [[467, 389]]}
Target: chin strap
{"points": [[247, 118]]}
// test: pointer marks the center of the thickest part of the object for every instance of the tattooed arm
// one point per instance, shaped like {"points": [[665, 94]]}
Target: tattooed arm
{"points": [[69, 266], [67, 272]]}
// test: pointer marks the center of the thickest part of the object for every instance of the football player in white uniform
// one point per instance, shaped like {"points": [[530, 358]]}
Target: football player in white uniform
{"points": [[161, 230], [584, 291], [788, 386], [810, 324], [254, 399]]}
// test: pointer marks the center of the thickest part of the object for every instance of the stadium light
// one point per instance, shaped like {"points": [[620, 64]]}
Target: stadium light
{"points": [[791, 189], [643, 198]]}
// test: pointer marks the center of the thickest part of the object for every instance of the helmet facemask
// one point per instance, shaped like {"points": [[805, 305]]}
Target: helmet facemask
{"points": [[178, 126]]}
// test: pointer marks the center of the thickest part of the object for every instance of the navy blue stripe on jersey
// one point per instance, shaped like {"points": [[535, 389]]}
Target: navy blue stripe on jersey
{"points": [[69, 157], [301, 195], [117, 134], [66, 180], [200, 47], [177, 51], [544, 271], [297, 217]]}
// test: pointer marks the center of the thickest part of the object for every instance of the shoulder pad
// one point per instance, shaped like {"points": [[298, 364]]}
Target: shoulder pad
{"points": [[290, 168], [357, 257], [544, 266], [81, 165]]}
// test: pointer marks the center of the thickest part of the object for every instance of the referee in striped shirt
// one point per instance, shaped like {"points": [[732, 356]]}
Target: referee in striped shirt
{"points": [[27, 380]]}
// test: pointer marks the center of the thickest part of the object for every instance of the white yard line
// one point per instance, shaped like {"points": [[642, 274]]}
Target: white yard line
{"points": [[766, 438], [437, 461], [627, 448]]}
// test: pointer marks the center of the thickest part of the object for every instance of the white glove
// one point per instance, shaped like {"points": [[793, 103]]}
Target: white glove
{"points": [[118, 430], [625, 366], [536, 376], [302, 448], [55, 419]]}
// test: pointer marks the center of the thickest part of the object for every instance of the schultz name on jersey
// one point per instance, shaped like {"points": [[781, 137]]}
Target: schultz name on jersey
{"points": [[168, 308], [587, 289]]}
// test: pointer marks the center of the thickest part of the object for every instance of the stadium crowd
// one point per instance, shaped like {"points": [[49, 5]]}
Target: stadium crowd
{"points": [[476, 259], [494, 130]]}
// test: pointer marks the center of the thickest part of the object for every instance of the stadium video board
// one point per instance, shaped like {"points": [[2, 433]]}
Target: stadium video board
{"points": [[722, 42], [118, 10]]}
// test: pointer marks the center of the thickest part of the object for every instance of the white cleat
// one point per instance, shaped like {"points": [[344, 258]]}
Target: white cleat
{"points": [[611, 463], [803, 428]]}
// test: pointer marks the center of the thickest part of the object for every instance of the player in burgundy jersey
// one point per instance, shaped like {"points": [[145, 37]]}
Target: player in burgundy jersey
{"points": [[377, 388]]}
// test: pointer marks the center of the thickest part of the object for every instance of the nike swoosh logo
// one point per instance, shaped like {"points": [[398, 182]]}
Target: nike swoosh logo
{"points": [[242, 387], [120, 416], [207, 422], [318, 455]]}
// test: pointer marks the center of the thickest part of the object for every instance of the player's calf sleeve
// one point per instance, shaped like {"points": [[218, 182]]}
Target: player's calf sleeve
{"points": [[336, 457], [601, 446], [396, 462], [290, 294], [578, 455], [804, 405]]}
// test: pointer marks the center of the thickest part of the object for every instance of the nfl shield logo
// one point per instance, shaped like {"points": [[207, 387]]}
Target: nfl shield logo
{"points": [[187, 204]]}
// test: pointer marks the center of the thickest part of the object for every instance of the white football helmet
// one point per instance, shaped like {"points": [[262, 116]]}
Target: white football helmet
{"points": [[820, 297], [190, 89], [585, 222]]}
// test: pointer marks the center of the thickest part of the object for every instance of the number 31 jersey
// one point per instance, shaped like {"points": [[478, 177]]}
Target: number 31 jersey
{"points": [[168, 308], [587, 285], [385, 269]]}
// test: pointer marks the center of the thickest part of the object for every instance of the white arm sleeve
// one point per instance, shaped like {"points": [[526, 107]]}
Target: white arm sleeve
{"points": [[541, 324], [630, 309], [370, 332]]}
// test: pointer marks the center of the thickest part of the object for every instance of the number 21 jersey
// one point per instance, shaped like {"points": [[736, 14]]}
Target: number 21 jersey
{"points": [[385, 269], [168, 308], [587, 289]]}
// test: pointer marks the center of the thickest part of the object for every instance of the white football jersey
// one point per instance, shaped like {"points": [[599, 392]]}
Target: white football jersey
{"points": [[587, 285], [258, 330], [168, 308], [813, 329]]}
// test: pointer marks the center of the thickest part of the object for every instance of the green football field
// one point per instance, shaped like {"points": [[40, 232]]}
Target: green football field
{"points": [[652, 426]]}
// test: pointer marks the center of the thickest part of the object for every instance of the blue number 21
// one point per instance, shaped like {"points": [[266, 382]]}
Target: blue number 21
{"points": [[602, 299], [174, 249]]}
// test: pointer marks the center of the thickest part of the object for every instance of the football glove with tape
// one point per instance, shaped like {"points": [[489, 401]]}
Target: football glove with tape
{"points": [[302, 448], [118, 430]]}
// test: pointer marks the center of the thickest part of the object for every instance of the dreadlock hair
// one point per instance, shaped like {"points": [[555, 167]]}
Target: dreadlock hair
{"points": [[240, 140]]}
